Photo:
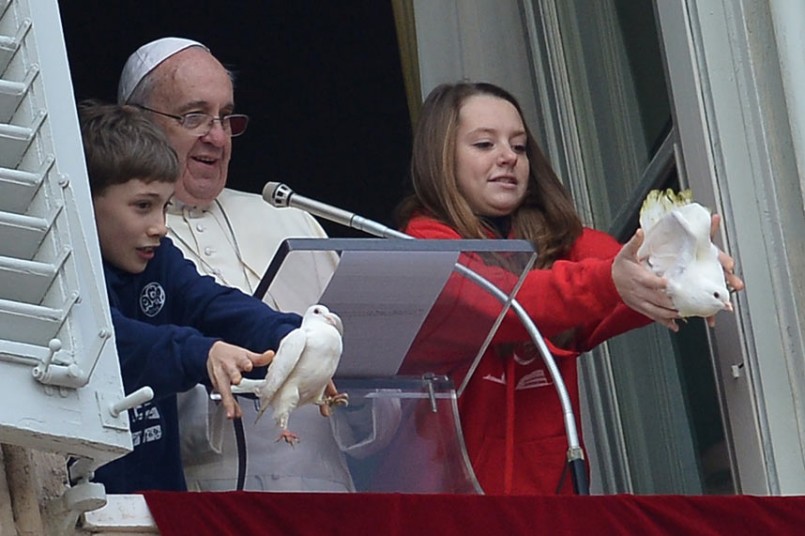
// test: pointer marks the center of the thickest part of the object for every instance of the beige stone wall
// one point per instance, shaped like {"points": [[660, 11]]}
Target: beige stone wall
{"points": [[32, 487], [29, 480]]}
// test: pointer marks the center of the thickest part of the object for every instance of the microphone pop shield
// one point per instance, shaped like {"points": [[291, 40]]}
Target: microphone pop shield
{"points": [[277, 194]]}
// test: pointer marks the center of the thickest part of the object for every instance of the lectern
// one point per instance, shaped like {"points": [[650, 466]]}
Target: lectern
{"points": [[415, 327]]}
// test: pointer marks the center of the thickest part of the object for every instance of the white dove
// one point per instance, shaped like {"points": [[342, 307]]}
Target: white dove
{"points": [[302, 370], [677, 246]]}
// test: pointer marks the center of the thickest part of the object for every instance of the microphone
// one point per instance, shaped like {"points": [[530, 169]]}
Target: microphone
{"points": [[281, 196]]}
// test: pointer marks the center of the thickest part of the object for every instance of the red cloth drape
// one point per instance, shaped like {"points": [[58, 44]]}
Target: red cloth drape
{"points": [[239, 513]]}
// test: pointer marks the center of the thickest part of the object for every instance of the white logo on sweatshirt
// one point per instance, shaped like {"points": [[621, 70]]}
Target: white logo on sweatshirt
{"points": [[152, 299], [141, 414], [532, 380]]}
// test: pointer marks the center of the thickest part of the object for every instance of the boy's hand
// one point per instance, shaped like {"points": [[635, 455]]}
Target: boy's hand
{"points": [[225, 363]]}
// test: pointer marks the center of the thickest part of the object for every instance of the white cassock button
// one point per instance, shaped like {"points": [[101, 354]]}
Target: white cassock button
{"points": [[208, 251], [200, 228]]}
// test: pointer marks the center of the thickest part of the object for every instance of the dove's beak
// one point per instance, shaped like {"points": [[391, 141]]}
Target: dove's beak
{"points": [[335, 320], [728, 306]]}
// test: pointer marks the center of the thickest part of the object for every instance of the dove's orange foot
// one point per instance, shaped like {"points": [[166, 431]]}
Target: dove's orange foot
{"points": [[289, 437], [338, 399]]}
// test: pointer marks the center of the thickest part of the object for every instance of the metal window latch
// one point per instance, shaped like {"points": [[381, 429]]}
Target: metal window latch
{"points": [[111, 409]]}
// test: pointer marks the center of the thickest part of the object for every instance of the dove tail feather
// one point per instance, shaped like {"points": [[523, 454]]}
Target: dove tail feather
{"points": [[658, 203]]}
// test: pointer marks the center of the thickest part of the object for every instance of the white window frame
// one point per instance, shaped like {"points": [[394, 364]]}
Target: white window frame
{"points": [[735, 135]]}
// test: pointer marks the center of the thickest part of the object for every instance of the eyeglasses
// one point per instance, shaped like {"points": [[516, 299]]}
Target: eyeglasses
{"points": [[199, 123]]}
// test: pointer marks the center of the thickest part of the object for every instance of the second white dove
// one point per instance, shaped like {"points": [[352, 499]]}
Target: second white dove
{"points": [[677, 246]]}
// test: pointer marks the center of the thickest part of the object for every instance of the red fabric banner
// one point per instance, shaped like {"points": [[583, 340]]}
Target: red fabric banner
{"points": [[239, 513]]}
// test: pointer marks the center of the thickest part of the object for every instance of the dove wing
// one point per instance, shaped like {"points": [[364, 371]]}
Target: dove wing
{"points": [[288, 354], [696, 219], [669, 245]]}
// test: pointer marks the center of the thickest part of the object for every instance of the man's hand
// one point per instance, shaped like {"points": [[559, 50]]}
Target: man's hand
{"points": [[225, 363]]}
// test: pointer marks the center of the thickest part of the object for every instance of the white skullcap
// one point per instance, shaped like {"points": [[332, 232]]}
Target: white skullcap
{"points": [[145, 59]]}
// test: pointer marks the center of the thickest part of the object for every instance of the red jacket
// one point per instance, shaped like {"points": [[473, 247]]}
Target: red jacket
{"points": [[514, 429]]}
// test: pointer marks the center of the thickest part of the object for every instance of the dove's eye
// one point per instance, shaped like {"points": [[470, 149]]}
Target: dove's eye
{"points": [[716, 295]]}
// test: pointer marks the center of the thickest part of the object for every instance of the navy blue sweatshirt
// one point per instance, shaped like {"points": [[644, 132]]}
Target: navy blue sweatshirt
{"points": [[166, 319]]}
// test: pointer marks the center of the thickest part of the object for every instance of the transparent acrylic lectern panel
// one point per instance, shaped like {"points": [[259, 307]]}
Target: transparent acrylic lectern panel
{"points": [[418, 315], [419, 448]]}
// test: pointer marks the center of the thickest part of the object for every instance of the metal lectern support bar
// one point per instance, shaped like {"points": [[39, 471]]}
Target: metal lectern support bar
{"points": [[281, 195]]}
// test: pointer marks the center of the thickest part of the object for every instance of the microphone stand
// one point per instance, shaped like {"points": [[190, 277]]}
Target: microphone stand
{"points": [[280, 195]]}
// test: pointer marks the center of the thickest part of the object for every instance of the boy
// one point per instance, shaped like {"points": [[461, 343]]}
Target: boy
{"points": [[170, 322]]}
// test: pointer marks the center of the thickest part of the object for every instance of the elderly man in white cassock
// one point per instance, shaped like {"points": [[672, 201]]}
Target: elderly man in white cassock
{"points": [[233, 236]]}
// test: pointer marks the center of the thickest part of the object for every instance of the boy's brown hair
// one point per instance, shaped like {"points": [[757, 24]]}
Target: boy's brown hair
{"points": [[122, 144]]}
